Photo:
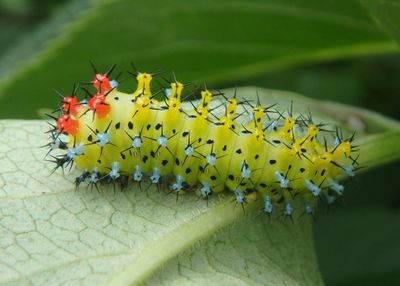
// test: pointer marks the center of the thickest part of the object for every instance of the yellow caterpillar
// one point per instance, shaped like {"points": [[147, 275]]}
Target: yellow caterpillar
{"points": [[247, 149]]}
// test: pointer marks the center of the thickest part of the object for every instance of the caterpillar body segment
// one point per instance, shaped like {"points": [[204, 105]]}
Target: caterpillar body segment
{"points": [[210, 145]]}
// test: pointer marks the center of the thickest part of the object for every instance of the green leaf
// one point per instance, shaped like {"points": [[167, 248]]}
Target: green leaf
{"points": [[50, 234], [387, 14], [18, 50], [216, 41]]}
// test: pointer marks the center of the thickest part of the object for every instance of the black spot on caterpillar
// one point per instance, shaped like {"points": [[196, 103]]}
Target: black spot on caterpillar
{"points": [[213, 145]]}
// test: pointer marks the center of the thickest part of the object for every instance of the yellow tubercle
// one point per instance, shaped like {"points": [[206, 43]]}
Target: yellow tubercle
{"points": [[287, 127], [312, 131], [258, 132], [143, 84], [295, 149], [308, 138], [174, 100], [172, 116], [231, 109], [141, 107], [305, 143], [202, 108], [258, 114], [344, 148], [229, 119]]}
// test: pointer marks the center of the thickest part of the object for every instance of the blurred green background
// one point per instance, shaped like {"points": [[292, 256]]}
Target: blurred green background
{"points": [[332, 50]]}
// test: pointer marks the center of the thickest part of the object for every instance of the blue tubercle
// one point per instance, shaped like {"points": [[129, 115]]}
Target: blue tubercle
{"points": [[314, 189], [205, 190], [178, 185], [288, 209], [155, 177], [268, 206], [137, 176], [114, 172], [239, 196]]}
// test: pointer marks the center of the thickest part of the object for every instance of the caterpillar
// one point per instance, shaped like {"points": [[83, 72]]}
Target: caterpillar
{"points": [[210, 145]]}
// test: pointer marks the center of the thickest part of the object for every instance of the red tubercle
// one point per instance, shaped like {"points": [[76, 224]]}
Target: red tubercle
{"points": [[99, 105], [96, 100], [102, 83], [102, 110], [67, 124], [71, 105]]}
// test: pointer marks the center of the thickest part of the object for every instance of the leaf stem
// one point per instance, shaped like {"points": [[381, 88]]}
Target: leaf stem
{"points": [[379, 149]]}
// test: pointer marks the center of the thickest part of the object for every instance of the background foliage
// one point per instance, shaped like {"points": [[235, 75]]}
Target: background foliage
{"points": [[342, 51]]}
